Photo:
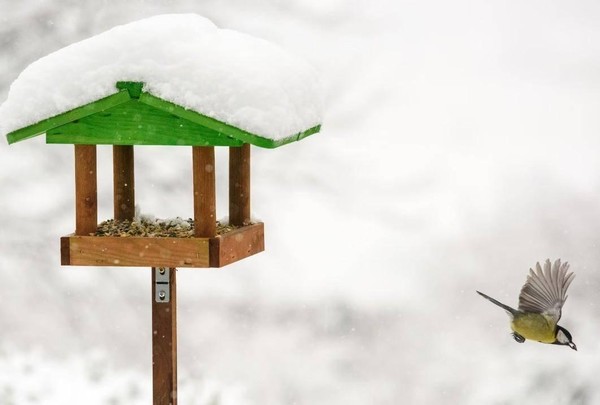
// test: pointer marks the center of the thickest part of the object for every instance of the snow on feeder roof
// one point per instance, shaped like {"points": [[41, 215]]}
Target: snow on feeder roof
{"points": [[166, 80]]}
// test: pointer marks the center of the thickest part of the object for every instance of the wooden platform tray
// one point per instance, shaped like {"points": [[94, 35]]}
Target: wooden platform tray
{"points": [[163, 252]]}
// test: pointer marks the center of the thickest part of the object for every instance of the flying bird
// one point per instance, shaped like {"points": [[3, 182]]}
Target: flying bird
{"points": [[540, 305]]}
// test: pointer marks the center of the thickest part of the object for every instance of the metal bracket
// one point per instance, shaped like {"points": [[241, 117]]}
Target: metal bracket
{"points": [[161, 284]]}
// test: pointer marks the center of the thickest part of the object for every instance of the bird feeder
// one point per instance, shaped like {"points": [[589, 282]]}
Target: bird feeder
{"points": [[133, 115]]}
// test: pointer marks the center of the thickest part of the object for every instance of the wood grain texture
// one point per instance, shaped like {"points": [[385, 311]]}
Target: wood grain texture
{"points": [[237, 245], [69, 116], [237, 134], [118, 251], [135, 123], [164, 344], [123, 183], [239, 185], [65, 251], [134, 251], [133, 117], [204, 191], [86, 199]]}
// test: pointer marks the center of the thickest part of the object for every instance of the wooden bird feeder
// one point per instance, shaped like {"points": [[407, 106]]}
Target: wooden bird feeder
{"points": [[133, 116]]}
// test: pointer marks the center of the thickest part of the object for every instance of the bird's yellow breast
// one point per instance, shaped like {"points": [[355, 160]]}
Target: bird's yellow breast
{"points": [[534, 327]]}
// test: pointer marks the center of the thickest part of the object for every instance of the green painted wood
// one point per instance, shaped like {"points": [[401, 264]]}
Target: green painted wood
{"points": [[136, 123], [221, 127], [120, 119], [309, 132], [134, 88], [72, 115]]}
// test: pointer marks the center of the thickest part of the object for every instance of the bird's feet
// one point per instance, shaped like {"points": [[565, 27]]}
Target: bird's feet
{"points": [[518, 337]]}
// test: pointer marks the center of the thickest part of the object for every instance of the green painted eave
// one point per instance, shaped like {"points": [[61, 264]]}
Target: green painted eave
{"points": [[69, 116], [135, 117]]}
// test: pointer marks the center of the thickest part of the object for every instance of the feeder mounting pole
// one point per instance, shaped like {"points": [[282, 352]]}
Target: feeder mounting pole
{"points": [[164, 336]]}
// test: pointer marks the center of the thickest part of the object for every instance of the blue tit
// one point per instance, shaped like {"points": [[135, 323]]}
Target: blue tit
{"points": [[540, 304]]}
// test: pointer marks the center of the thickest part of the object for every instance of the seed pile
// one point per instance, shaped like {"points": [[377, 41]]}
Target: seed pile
{"points": [[151, 227]]}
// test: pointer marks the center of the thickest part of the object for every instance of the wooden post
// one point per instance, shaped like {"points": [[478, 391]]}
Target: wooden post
{"points": [[123, 182], [86, 199], [239, 185], [164, 336], [204, 191]]}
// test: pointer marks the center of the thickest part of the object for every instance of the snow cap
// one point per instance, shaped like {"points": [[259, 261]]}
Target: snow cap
{"points": [[185, 59]]}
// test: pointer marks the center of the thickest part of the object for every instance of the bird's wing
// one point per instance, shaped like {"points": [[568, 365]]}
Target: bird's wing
{"points": [[545, 292]]}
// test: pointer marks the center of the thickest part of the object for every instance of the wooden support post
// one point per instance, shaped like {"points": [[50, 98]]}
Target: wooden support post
{"points": [[123, 182], [204, 191], [86, 199], [164, 336], [239, 185]]}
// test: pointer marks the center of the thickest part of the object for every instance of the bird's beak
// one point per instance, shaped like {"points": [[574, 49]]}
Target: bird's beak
{"points": [[572, 346]]}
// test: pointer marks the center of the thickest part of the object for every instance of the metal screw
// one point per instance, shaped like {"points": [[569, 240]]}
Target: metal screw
{"points": [[161, 270], [162, 295]]}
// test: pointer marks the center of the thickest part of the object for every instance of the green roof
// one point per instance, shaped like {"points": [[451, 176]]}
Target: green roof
{"points": [[135, 117]]}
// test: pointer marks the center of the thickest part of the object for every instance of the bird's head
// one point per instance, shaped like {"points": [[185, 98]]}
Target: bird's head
{"points": [[563, 337]]}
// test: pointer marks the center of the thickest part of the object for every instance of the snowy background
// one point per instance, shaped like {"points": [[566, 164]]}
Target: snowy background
{"points": [[460, 146]]}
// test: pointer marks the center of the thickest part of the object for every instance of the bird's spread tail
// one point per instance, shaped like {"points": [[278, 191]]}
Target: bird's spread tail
{"points": [[508, 309]]}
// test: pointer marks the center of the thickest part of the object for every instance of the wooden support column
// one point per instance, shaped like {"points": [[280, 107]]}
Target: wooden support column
{"points": [[86, 198], [164, 336], [204, 191], [123, 183], [239, 185]]}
